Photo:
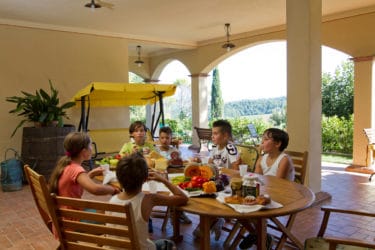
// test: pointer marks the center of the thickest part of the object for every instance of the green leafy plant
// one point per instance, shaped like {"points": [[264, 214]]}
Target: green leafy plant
{"points": [[41, 108]]}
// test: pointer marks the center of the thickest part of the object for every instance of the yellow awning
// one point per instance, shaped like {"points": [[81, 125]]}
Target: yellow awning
{"points": [[109, 94]]}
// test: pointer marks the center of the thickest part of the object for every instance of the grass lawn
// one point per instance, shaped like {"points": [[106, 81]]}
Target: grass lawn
{"points": [[337, 158]]}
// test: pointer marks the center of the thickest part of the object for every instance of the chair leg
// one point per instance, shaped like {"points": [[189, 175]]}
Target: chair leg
{"points": [[232, 233], [165, 220], [238, 238]]}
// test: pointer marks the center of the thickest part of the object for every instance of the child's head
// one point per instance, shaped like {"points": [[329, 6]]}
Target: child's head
{"points": [[278, 136], [221, 132], [75, 142], [165, 136], [137, 131], [132, 172]]}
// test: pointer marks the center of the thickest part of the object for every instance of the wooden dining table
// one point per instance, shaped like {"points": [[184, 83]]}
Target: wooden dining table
{"points": [[293, 196]]}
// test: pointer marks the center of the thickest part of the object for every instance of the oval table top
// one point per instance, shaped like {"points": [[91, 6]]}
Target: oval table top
{"points": [[293, 196]]}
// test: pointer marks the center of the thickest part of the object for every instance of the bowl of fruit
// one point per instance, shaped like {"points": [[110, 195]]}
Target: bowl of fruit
{"points": [[201, 181]]}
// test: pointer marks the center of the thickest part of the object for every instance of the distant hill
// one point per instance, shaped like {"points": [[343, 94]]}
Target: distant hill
{"points": [[253, 107]]}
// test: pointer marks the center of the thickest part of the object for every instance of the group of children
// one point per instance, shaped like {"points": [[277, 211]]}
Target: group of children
{"points": [[69, 178]]}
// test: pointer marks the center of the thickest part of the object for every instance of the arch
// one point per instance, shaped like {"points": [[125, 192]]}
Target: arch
{"points": [[162, 65]]}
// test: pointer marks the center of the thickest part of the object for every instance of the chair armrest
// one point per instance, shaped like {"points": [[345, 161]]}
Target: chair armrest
{"points": [[333, 242], [328, 210], [347, 211]]}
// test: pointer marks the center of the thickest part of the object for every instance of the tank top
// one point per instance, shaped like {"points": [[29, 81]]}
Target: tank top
{"points": [[141, 224], [272, 170]]}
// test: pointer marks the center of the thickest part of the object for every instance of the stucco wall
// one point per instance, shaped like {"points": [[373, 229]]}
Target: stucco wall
{"points": [[29, 57]]}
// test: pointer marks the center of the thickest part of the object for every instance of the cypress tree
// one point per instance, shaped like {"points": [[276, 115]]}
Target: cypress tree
{"points": [[217, 103]]}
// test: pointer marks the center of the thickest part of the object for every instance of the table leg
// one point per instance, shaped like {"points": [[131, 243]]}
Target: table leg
{"points": [[205, 232], [177, 237], [261, 228]]}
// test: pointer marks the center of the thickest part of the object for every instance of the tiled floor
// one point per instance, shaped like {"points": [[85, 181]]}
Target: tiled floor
{"points": [[21, 227]]}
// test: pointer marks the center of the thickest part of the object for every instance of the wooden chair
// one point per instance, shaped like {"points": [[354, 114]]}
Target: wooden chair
{"points": [[253, 134], [338, 242], [204, 136], [299, 160], [249, 155], [370, 135], [39, 190], [80, 226]]}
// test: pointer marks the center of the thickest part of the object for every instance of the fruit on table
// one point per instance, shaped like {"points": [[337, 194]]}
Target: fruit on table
{"points": [[224, 178], [113, 162], [194, 170], [209, 187]]}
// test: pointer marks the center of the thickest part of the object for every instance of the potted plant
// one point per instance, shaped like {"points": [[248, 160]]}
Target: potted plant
{"points": [[42, 108]]}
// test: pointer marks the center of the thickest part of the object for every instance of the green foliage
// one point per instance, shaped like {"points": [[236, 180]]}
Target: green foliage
{"points": [[42, 107], [240, 131], [278, 118], [217, 103], [337, 134], [338, 91], [254, 107]]}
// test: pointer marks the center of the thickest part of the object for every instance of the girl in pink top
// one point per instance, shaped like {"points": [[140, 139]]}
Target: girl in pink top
{"points": [[69, 178]]}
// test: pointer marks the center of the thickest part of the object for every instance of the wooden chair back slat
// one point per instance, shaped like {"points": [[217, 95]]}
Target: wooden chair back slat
{"points": [[204, 135], [299, 160], [93, 225], [249, 155], [39, 190]]}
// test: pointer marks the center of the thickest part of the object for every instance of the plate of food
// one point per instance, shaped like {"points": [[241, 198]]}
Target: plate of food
{"points": [[249, 203]]}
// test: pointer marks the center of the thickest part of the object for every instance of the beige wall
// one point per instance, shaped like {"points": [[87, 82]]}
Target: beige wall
{"points": [[29, 57]]}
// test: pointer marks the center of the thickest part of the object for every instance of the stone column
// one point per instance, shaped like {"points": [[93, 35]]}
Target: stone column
{"points": [[363, 107], [199, 100], [304, 83]]}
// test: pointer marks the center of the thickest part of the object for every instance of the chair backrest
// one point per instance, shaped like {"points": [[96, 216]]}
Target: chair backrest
{"points": [[249, 155], [370, 134], [40, 192], [87, 224], [204, 134], [252, 130], [300, 164]]}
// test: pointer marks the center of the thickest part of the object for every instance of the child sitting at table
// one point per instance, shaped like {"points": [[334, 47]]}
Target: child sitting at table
{"points": [[138, 141], [274, 162], [165, 149], [224, 154], [132, 172], [69, 178]]}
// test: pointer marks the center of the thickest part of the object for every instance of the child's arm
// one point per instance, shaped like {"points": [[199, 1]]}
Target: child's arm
{"points": [[95, 188], [283, 168], [258, 168], [177, 199]]}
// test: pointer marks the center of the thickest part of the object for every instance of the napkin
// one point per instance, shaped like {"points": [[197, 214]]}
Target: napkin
{"points": [[109, 176], [247, 208]]}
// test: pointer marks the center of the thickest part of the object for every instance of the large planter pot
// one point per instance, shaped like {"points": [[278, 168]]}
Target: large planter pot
{"points": [[42, 147]]}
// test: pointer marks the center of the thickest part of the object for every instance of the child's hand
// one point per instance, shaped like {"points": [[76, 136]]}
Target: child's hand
{"points": [[96, 171], [135, 149], [155, 176]]}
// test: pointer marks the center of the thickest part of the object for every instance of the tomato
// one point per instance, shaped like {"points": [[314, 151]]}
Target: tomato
{"points": [[195, 184]]}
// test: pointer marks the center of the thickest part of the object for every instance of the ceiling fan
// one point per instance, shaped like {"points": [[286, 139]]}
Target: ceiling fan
{"points": [[93, 5]]}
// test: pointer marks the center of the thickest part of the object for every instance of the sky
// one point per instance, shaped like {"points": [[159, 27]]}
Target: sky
{"points": [[259, 71]]}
